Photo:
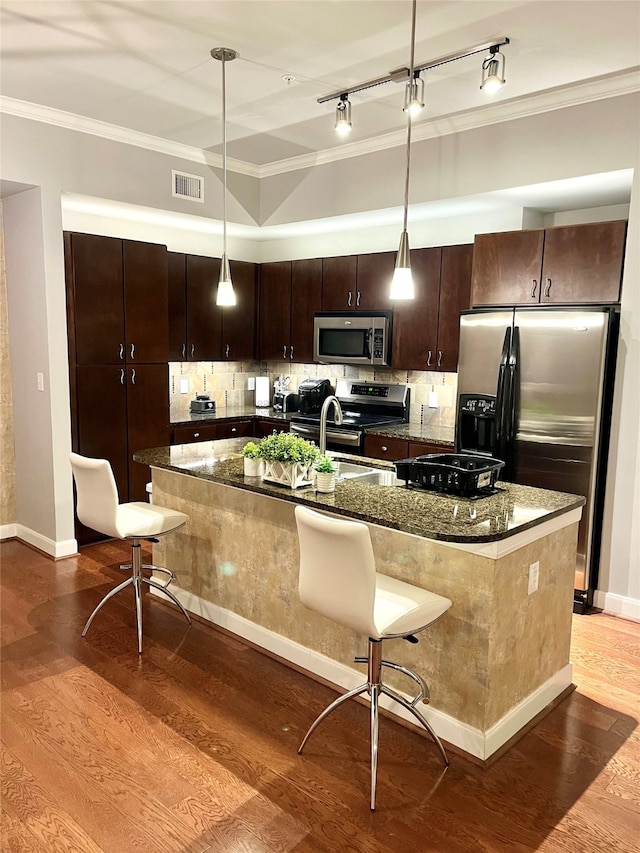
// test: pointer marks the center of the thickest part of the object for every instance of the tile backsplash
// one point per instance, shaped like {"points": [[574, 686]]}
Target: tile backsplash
{"points": [[226, 383]]}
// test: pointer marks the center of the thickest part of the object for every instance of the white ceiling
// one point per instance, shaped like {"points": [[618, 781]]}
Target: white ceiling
{"points": [[146, 66]]}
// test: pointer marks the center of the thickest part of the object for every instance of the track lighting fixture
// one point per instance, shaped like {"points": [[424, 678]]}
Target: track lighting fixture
{"points": [[343, 116], [414, 97], [493, 71], [225, 294]]}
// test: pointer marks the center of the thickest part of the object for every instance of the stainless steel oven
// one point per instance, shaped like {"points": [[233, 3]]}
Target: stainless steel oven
{"points": [[364, 404]]}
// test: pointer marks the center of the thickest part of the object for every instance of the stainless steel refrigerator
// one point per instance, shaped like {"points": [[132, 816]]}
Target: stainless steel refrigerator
{"points": [[535, 388]]}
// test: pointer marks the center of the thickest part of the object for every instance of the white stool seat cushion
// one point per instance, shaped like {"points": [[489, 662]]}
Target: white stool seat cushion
{"points": [[401, 608], [143, 519]]}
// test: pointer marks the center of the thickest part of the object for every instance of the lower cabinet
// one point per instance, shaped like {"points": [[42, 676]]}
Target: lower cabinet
{"points": [[232, 428], [384, 447], [117, 411], [266, 426]]}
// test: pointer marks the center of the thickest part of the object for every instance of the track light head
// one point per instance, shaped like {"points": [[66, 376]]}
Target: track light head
{"points": [[414, 97], [493, 71], [343, 116]]}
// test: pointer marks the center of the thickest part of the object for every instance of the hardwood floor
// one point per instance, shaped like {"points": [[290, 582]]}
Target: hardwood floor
{"points": [[192, 748]]}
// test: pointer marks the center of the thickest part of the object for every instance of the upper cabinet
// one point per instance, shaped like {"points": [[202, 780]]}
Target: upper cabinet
{"points": [[357, 282], [573, 264], [426, 329], [200, 330], [117, 293], [290, 294]]}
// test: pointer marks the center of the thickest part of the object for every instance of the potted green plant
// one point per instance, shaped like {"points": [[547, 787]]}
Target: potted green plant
{"points": [[287, 459], [325, 474], [252, 461]]}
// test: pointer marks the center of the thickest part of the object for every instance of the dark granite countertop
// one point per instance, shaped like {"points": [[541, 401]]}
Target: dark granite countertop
{"points": [[410, 431], [433, 516]]}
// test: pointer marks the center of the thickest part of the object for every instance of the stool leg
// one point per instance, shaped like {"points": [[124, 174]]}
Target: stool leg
{"points": [[108, 596], [375, 686], [402, 701], [168, 593], [344, 698], [137, 586]]}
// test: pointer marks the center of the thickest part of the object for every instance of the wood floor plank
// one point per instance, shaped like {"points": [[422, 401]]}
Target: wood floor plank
{"points": [[193, 747]]}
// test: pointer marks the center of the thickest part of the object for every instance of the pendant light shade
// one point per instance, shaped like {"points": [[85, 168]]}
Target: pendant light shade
{"points": [[402, 281], [225, 294]]}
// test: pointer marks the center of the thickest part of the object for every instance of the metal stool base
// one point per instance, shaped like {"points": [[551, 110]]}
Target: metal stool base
{"points": [[137, 580], [374, 687]]}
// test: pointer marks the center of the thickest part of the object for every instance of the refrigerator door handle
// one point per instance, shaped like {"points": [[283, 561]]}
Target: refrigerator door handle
{"points": [[502, 391], [511, 409]]}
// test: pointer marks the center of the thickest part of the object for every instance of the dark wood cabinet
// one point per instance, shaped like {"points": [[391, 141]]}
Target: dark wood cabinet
{"points": [[204, 317], [265, 426], [423, 448], [339, 291], [290, 294], [236, 428], [187, 435], [200, 330], [415, 322], [570, 264], [583, 263], [118, 295], [373, 281], [223, 428], [306, 300], [147, 419], [383, 447], [426, 331]]}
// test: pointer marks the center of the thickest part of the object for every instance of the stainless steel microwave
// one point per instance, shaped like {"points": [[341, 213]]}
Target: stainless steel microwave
{"points": [[352, 337]]}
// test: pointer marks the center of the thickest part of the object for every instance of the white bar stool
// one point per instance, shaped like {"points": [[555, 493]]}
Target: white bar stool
{"points": [[98, 508], [338, 579]]}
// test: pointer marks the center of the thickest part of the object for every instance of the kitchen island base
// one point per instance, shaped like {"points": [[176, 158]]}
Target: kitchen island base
{"points": [[495, 662]]}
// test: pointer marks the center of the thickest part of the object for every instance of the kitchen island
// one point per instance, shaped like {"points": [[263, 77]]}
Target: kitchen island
{"points": [[498, 659]]}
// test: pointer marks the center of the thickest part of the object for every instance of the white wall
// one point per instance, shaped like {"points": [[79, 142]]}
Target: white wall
{"points": [[598, 137]]}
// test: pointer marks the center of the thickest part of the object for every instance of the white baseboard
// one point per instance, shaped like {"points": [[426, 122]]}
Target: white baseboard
{"points": [[58, 550], [8, 531], [471, 740], [617, 605]]}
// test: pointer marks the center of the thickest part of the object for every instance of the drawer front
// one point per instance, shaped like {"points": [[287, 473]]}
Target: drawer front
{"points": [[382, 447], [265, 426], [186, 435], [235, 429], [422, 448]]}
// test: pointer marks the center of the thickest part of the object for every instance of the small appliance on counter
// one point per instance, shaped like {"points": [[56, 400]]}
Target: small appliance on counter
{"points": [[285, 401], [203, 403], [466, 476], [312, 394]]}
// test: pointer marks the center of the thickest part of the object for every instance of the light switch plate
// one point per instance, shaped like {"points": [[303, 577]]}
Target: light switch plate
{"points": [[251, 383], [433, 399], [184, 386]]}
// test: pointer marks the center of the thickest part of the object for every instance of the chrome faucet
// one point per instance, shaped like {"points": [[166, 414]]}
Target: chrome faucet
{"points": [[329, 401]]}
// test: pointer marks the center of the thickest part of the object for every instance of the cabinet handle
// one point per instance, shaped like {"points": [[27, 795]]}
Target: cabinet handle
{"points": [[234, 429], [193, 349], [121, 351], [429, 359], [284, 351], [226, 352], [122, 375], [547, 289], [184, 350], [384, 448], [291, 352], [534, 287], [358, 300], [133, 376], [196, 435], [349, 300], [133, 349], [439, 357]]}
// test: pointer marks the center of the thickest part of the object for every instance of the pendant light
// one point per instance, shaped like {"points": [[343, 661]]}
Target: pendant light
{"points": [[402, 282], [225, 294]]}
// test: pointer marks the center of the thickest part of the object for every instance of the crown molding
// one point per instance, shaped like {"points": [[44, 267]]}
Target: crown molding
{"points": [[115, 133], [599, 88]]}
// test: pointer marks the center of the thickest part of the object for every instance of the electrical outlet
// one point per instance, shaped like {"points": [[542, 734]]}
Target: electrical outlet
{"points": [[251, 383], [184, 386], [433, 399], [534, 571]]}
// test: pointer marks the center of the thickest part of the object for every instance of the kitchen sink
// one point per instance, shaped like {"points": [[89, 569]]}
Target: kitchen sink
{"points": [[366, 474]]}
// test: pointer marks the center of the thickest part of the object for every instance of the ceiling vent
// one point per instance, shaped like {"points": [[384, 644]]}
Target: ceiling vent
{"points": [[184, 185]]}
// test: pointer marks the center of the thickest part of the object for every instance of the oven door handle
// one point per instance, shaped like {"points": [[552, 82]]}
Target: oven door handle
{"points": [[352, 437]]}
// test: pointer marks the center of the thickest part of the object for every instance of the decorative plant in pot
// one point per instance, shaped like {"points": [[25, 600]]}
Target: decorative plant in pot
{"points": [[287, 459], [252, 461], [325, 474]]}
